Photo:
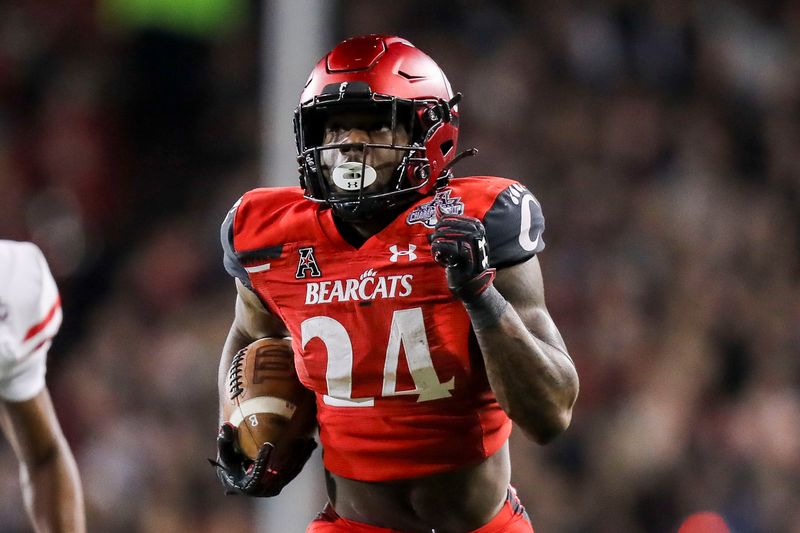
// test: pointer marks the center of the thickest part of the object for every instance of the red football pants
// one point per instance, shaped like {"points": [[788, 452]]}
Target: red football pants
{"points": [[512, 518]]}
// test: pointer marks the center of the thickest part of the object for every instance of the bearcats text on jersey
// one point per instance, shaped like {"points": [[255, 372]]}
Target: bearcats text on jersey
{"points": [[366, 287]]}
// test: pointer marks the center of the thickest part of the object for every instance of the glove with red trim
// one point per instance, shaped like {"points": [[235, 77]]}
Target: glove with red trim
{"points": [[458, 243]]}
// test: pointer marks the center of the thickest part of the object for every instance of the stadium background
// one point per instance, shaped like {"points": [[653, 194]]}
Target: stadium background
{"points": [[662, 139]]}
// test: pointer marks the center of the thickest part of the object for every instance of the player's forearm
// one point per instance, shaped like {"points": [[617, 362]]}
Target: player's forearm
{"points": [[534, 380], [251, 322], [52, 491], [235, 341]]}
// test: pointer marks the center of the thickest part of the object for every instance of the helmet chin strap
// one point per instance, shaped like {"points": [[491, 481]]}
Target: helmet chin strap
{"points": [[371, 209], [466, 153], [445, 175]]}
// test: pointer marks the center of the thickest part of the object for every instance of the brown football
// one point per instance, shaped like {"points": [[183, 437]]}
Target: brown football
{"points": [[265, 401]]}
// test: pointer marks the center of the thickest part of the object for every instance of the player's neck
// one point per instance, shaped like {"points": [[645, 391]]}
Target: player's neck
{"points": [[356, 233]]}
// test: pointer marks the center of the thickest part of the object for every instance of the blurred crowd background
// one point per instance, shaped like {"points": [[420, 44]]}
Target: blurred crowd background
{"points": [[662, 139]]}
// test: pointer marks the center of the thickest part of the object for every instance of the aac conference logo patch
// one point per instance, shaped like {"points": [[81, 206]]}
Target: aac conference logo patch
{"points": [[307, 264]]}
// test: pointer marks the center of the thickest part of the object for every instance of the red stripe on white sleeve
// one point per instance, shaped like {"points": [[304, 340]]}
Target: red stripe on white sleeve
{"points": [[43, 324]]}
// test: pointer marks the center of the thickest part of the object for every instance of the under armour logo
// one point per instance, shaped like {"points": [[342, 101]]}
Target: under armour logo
{"points": [[397, 253]]}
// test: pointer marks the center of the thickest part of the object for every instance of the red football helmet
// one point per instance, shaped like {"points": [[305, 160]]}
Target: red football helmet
{"points": [[384, 75]]}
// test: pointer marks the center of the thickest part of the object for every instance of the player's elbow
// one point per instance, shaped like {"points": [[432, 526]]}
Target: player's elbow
{"points": [[553, 416], [549, 420], [546, 428]]}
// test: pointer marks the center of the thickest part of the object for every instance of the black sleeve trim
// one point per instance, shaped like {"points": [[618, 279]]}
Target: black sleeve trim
{"points": [[230, 258], [271, 252]]}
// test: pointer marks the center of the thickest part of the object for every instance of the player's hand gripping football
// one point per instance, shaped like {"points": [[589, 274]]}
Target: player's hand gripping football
{"points": [[264, 477], [458, 243]]}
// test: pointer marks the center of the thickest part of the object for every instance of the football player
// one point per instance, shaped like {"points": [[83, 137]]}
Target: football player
{"points": [[30, 315], [414, 302]]}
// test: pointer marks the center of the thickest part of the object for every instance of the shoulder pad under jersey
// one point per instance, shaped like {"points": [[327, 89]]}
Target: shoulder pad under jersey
{"points": [[255, 218], [232, 264], [514, 226]]}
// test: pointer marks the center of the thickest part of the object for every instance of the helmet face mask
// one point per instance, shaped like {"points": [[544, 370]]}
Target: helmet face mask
{"points": [[375, 93], [377, 173]]}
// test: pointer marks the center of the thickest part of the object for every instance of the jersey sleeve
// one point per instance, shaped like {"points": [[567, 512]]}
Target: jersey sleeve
{"points": [[514, 226], [242, 231], [34, 312], [229, 257], [25, 379]]}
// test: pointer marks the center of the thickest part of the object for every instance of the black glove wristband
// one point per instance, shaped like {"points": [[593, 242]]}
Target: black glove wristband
{"points": [[472, 289], [486, 309]]}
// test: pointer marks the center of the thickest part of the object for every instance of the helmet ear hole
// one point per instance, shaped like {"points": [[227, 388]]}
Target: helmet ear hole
{"points": [[446, 146]]}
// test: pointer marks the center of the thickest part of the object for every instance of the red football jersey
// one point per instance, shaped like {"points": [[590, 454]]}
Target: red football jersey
{"points": [[400, 383]]}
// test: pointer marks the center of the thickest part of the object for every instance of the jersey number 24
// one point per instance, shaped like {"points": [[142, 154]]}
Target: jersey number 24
{"points": [[407, 329]]}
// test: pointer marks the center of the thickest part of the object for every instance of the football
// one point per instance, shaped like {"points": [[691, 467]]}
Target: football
{"points": [[265, 400]]}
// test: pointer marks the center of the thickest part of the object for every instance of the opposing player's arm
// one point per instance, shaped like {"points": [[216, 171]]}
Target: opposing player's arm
{"points": [[49, 477], [526, 359], [251, 321]]}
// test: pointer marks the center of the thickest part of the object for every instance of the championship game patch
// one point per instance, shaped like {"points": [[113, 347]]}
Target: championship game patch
{"points": [[425, 214]]}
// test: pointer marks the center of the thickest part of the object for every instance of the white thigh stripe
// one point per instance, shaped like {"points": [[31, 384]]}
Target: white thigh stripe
{"points": [[262, 404]]}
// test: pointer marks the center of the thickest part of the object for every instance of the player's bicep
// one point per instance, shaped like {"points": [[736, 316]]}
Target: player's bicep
{"points": [[523, 287], [252, 319]]}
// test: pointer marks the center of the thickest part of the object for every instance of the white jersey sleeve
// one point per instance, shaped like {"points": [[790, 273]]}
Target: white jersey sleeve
{"points": [[30, 315]]}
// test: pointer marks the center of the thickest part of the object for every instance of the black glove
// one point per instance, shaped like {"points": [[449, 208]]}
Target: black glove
{"points": [[458, 243], [268, 474]]}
